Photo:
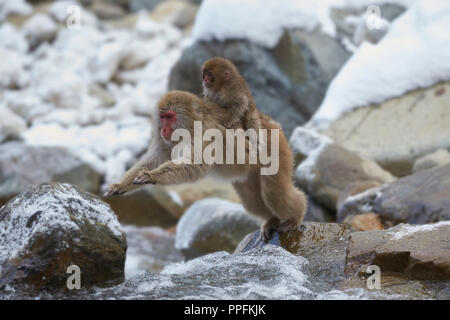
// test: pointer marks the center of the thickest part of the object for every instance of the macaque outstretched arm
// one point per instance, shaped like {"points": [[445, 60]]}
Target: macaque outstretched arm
{"points": [[150, 160], [172, 173]]}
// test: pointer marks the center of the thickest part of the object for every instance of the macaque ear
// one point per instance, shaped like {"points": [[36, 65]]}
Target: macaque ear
{"points": [[227, 75]]}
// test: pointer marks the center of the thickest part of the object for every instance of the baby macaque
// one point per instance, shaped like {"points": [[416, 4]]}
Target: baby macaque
{"points": [[224, 85]]}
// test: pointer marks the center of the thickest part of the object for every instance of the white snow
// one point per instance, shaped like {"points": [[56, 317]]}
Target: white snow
{"points": [[263, 21], [51, 86], [19, 7], [413, 54], [404, 230]]}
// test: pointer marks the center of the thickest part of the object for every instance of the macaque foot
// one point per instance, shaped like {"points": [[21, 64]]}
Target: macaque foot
{"points": [[287, 225], [115, 189], [144, 177], [268, 228]]}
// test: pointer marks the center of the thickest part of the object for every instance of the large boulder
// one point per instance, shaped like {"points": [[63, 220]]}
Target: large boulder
{"points": [[419, 198], [21, 165], [413, 125], [417, 252], [211, 225], [149, 206], [50, 227], [330, 168], [288, 81]]}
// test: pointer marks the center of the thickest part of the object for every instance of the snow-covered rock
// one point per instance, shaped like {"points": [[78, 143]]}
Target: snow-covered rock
{"points": [[11, 125], [40, 27], [399, 131], [19, 7], [12, 38], [213, 225], [50, 227], [412, 55], [11, 69]]}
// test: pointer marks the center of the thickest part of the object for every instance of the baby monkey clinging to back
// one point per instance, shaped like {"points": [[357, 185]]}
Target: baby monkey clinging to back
{"points": [[223, 84]]}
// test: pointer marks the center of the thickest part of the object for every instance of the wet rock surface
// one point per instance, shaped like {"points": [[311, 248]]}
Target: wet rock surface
{"points": [[50, 227]]}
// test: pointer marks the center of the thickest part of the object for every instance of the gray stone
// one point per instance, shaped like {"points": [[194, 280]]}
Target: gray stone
{"points": [[419, 198], [435, 159], [417, 252], [211, 225], [150, 206], [21, 165]]}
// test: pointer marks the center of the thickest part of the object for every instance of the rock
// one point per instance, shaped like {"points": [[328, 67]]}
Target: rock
{"points": [[106, 63], [330, 168], [140, 52], [105, 10], [21, 165], [322, 244], [317, 213], [137, 5], [18, 7], [417, 252], [50, 227], [435, 159], [106, 98], [179, 13], [364, 222], [40, 28], [288, 77], [413, 126], [12, 70], [353, 189], [150, 206], [11, 125], [418, 198], [206, 188], [213, 225]]}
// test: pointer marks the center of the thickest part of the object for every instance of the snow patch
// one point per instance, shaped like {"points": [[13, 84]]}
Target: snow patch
{"points": [[413, 54]]}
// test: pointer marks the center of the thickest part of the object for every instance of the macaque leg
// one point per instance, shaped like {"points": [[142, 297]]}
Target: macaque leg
{"points": [[172, 173], [250, 194], [284, 200]]}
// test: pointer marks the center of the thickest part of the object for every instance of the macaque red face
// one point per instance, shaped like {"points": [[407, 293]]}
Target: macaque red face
{"points": [[167, 119]]}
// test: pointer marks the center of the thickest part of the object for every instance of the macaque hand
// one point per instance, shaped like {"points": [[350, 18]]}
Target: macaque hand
{"points": [[144, 177], [115, 189]]}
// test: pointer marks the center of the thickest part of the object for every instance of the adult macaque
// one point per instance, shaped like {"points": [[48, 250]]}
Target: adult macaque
{"points": [[224, 85], [270, 196]]}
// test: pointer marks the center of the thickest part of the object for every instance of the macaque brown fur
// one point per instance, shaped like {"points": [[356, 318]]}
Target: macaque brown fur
{"points": [[271, 197], [223, 84]]}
